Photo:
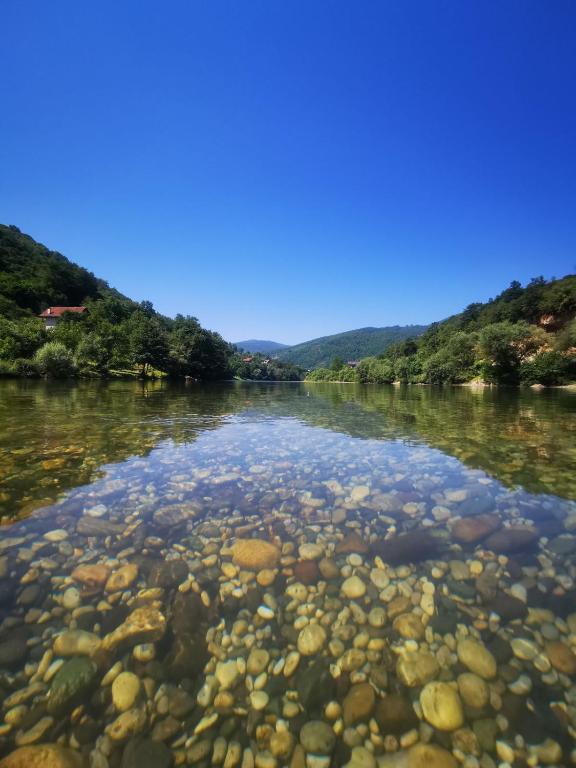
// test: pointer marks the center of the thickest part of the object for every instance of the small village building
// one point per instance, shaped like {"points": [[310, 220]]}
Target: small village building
{"points": [[53, 315]]}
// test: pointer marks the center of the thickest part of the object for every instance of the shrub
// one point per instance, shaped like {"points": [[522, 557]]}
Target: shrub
{"points": [[54, 359], [25, 367]]}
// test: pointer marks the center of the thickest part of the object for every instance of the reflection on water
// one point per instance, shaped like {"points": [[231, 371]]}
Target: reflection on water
{"points": [[58, 436], [303, 575]]}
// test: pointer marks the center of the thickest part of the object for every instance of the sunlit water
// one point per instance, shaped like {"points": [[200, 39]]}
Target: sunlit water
{"points": [[389, 526]]}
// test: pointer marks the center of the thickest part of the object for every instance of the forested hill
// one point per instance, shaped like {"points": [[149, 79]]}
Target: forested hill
{"points": [[32, 277], [260, 345], [350, 345], [527, 334]]}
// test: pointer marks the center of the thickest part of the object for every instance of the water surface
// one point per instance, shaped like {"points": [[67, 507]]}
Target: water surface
{"points": [[396, 522]]}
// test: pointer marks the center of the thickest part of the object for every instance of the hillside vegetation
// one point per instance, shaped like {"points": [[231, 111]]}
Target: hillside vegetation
{"points": [[350, 345], [117, 336], [524, 335], [260, 345]]}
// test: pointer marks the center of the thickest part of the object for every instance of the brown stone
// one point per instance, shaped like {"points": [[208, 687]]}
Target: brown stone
{"points": [[358, 704], [122, 578], [255, 554], [352, 543], [43, 756], [143, 625], [409, 626], [399, 605], [395, 714], [430, 756], [307, 572], [92, 576], [561, 657], [471, 530]]}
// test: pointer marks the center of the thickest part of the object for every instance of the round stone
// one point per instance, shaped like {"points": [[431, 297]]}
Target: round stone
{"points": [[257, 661], [258, 700], [353, 588], [311, 639], [125, 690], [561, 657], [255, 554], [477, 658], [473, 690], [417, 668], [409, 626], [310, 551], [317, 738], [430, 756], [441, 706]]}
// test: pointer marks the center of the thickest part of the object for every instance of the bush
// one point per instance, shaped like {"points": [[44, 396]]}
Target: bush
{"points": [[54, 359], [25, 367], [548, 368]]}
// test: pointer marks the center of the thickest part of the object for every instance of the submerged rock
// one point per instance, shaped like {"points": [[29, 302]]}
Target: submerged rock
{"points": [[358, 703], [395, 714], [471, 530], [510, 540], [317, 738], [311, 639], [410, 547], [44, 756], [72, 684], [441, 706], [143, 625], [477, 658], [255, 554]]}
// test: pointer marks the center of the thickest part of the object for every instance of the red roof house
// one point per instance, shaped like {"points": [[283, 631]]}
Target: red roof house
{"points": [[53, 314]]}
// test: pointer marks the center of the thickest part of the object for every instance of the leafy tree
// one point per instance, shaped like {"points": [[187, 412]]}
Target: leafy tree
{"points": [[336, 363], [148, 343]]}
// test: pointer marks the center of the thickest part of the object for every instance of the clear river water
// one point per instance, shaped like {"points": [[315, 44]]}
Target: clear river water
{"points": [[303, 575]]}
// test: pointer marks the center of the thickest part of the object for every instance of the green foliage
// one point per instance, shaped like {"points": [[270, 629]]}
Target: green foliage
{"points": [[525, 335], [33, 277], [148, 342], [54, 360], [548, 368], [115, 335], [196, 352], [261, 368], [336, 363]]}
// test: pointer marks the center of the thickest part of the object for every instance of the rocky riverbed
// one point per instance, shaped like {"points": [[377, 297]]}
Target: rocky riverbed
{"points": [[364, 608]]}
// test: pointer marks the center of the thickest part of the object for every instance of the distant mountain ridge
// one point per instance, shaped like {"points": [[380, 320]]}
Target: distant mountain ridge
{"points": [[350, 345], [260, 345]]}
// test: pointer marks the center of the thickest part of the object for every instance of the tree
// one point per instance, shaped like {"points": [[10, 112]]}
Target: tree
{"points": [[148, 343], [336, 364]]}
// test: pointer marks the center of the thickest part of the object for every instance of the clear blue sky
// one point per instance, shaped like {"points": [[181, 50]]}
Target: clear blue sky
{"points": [[289, 169]]}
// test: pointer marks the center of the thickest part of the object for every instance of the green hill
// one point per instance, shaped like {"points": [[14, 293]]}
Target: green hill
{"points": [[260, 345], [350, 345], [525, 335], [32, 277], [116, 336]]}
